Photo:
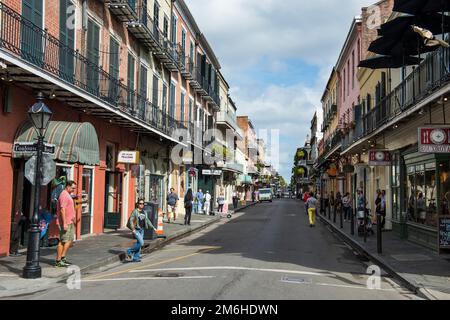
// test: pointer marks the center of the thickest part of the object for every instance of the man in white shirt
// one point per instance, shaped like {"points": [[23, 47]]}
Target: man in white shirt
{"points": [[207, 202]]}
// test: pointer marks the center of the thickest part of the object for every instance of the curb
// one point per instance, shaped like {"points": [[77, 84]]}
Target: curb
{"points": [[361, 250]]}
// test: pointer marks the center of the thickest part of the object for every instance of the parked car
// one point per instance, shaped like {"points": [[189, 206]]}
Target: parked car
{"points": [[265, 195]]}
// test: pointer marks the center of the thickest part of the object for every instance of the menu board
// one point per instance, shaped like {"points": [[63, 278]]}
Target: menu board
{"points": [[444, 232]]}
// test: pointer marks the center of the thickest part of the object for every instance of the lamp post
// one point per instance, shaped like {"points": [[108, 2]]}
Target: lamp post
{"points": [[40, 116]]}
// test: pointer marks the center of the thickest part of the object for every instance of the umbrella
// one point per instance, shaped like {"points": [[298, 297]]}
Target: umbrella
{"points": [[409, 43], [417, 6], [429, 21], [384, 62]]}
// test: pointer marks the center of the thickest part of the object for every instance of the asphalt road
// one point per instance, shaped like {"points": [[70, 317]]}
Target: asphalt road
{"points": [[267, 252]]}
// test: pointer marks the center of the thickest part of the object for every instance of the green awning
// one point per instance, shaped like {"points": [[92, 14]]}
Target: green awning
{"points": [[75, 142]]}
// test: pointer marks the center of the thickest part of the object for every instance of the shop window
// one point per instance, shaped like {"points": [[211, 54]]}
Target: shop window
{"points": [[395, 187], [421, 192], [444, 169]]}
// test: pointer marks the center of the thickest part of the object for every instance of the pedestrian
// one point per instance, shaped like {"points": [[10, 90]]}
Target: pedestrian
{"points": [[338, 204], [235, 200], [326, 201], [221, 202], [65, 221], [305, 200], [383, 208], [207, 203], [137, 223], [311, 204], [253, 196], [332, 199], [188, 204], [421, 210], [16, 232], [347, 205], [172, 201], [199, 197]]}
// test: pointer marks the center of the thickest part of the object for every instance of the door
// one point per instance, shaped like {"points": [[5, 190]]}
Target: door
{"points": [[130, 81], [113, 200], [93, 55], [32, 48], [86, 204], [67, 38], [155, 100], [157, 190]]}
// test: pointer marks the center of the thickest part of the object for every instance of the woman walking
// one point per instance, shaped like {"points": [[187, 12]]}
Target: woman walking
{"points": [[137, 223], [347, 204], [188, 203]]}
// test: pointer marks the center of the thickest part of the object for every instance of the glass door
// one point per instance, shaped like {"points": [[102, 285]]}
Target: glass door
{"points": [[86, 201], [157, 190], [113, 200]]}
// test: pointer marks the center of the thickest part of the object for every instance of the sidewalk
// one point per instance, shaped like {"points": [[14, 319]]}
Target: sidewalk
{"points": [[417, 268], [91, 253]]}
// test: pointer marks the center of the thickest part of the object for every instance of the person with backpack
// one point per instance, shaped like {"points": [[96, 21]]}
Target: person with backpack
{"points": [[188, 204], [172, 200], [138, 222]]}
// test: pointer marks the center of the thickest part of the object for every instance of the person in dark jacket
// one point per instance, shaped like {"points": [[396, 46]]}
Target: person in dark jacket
{"points": [[188, 203]]}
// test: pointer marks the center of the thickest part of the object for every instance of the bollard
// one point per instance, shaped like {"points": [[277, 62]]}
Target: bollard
{"points": [[379, 234], [334, 214]]}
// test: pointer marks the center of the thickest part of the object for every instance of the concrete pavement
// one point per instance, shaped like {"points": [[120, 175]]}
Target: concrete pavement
{"points": [[91, 253], [265, 252], [417, 268]]}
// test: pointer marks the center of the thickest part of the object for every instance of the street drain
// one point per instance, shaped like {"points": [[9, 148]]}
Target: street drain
{"points": [[168, 275]]}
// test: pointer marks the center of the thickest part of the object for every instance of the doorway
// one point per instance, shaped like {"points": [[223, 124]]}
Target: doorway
{"points": [[113, 200], [86, 200]]}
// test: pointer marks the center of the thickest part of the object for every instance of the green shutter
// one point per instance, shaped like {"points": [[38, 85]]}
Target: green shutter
{"points": [[93, 55], [114, 52], [32, 48], [67, 37]]}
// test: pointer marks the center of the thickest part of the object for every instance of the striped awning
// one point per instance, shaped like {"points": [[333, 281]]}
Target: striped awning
{"points": [[75, 142]]}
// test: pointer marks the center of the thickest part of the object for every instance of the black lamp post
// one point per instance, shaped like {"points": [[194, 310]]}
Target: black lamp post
{"points": [[40, 116]]}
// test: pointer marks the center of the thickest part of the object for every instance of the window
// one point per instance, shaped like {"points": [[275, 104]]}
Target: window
{"points": [[353, 70], [444, 173], [143, 91], [164, 98], [93, 55], [395, 186], [172, 101], [348, 77], [130, 79], [192, 50], [183, 96], [166, 27], [173, 36], [156, 14], [422, 192], [67, 37]]}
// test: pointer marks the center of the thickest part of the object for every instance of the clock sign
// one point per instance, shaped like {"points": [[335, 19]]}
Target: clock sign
{"points": [[434, 140], [379, 158]]}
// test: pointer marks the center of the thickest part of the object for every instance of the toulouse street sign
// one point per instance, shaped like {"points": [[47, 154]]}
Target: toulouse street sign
{"points": [[31, 147], [434, 140]]}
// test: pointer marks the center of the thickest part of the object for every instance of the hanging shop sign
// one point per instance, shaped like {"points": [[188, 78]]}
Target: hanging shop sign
{"points": [[192, 172], [379, 158], [212, 172], [434, 140], [128, 157]]}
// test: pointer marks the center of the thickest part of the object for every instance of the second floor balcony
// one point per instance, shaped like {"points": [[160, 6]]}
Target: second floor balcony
{"points": [[40, 61], [123, 10], [145, 30], [227, 119]]}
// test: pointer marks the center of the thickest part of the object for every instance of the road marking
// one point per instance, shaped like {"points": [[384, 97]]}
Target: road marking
{"points": [[150, 278], [235, 268], [352, 287], [155, 264]]}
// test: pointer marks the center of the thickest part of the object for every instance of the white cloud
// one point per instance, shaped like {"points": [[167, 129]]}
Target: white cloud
{"points": [[267, 35]]}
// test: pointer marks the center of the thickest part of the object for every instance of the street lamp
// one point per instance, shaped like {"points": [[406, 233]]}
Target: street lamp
{"points": [[40, 116]]}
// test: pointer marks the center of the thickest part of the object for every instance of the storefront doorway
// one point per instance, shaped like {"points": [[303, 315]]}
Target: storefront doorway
{"points": [[156, 190], [86, 200], [113, 200]]}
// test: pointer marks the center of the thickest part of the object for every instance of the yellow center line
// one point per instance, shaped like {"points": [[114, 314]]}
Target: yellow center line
{"points": [[155, 264]]}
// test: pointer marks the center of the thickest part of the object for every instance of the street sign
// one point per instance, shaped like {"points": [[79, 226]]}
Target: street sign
{"points": [[31, 147], [48, 169], [434, 140]]}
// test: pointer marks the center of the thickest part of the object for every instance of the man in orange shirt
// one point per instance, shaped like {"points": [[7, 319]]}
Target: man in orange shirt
{"points": [[65, 222]]}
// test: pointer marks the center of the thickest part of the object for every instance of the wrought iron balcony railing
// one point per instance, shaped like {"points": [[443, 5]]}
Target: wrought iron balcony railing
{"points": [[22, 39], [429, 76]]}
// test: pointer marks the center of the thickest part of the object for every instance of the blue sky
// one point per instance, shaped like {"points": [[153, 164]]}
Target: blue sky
{"points": [[277, 57]]}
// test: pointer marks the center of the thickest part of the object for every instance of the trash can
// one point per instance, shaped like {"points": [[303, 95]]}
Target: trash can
{"points": [[152, 212]]}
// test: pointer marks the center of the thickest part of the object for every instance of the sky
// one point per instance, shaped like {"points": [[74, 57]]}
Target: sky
{"points": [[277, 57]]}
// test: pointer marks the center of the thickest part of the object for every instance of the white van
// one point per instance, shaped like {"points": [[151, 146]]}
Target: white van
{"points": [[265, 195]]}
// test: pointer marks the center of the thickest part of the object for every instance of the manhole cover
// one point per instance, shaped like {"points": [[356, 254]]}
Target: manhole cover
{"points": [[296, 280], [168, 275]]}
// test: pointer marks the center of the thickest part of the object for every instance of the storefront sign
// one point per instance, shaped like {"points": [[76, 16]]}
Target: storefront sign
{"points": [[379, 158], [212, 172], [128, 157], [31, 147], [434, 140], [444, 232]]}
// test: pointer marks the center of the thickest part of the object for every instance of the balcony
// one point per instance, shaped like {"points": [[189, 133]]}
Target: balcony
{"points": [[124, 10], [148, 33], [186, 65], [226, 119], [430, 76], [36, 59]]}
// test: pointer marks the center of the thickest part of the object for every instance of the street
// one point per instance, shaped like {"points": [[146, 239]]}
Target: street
{"points": [[268, 251]]}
